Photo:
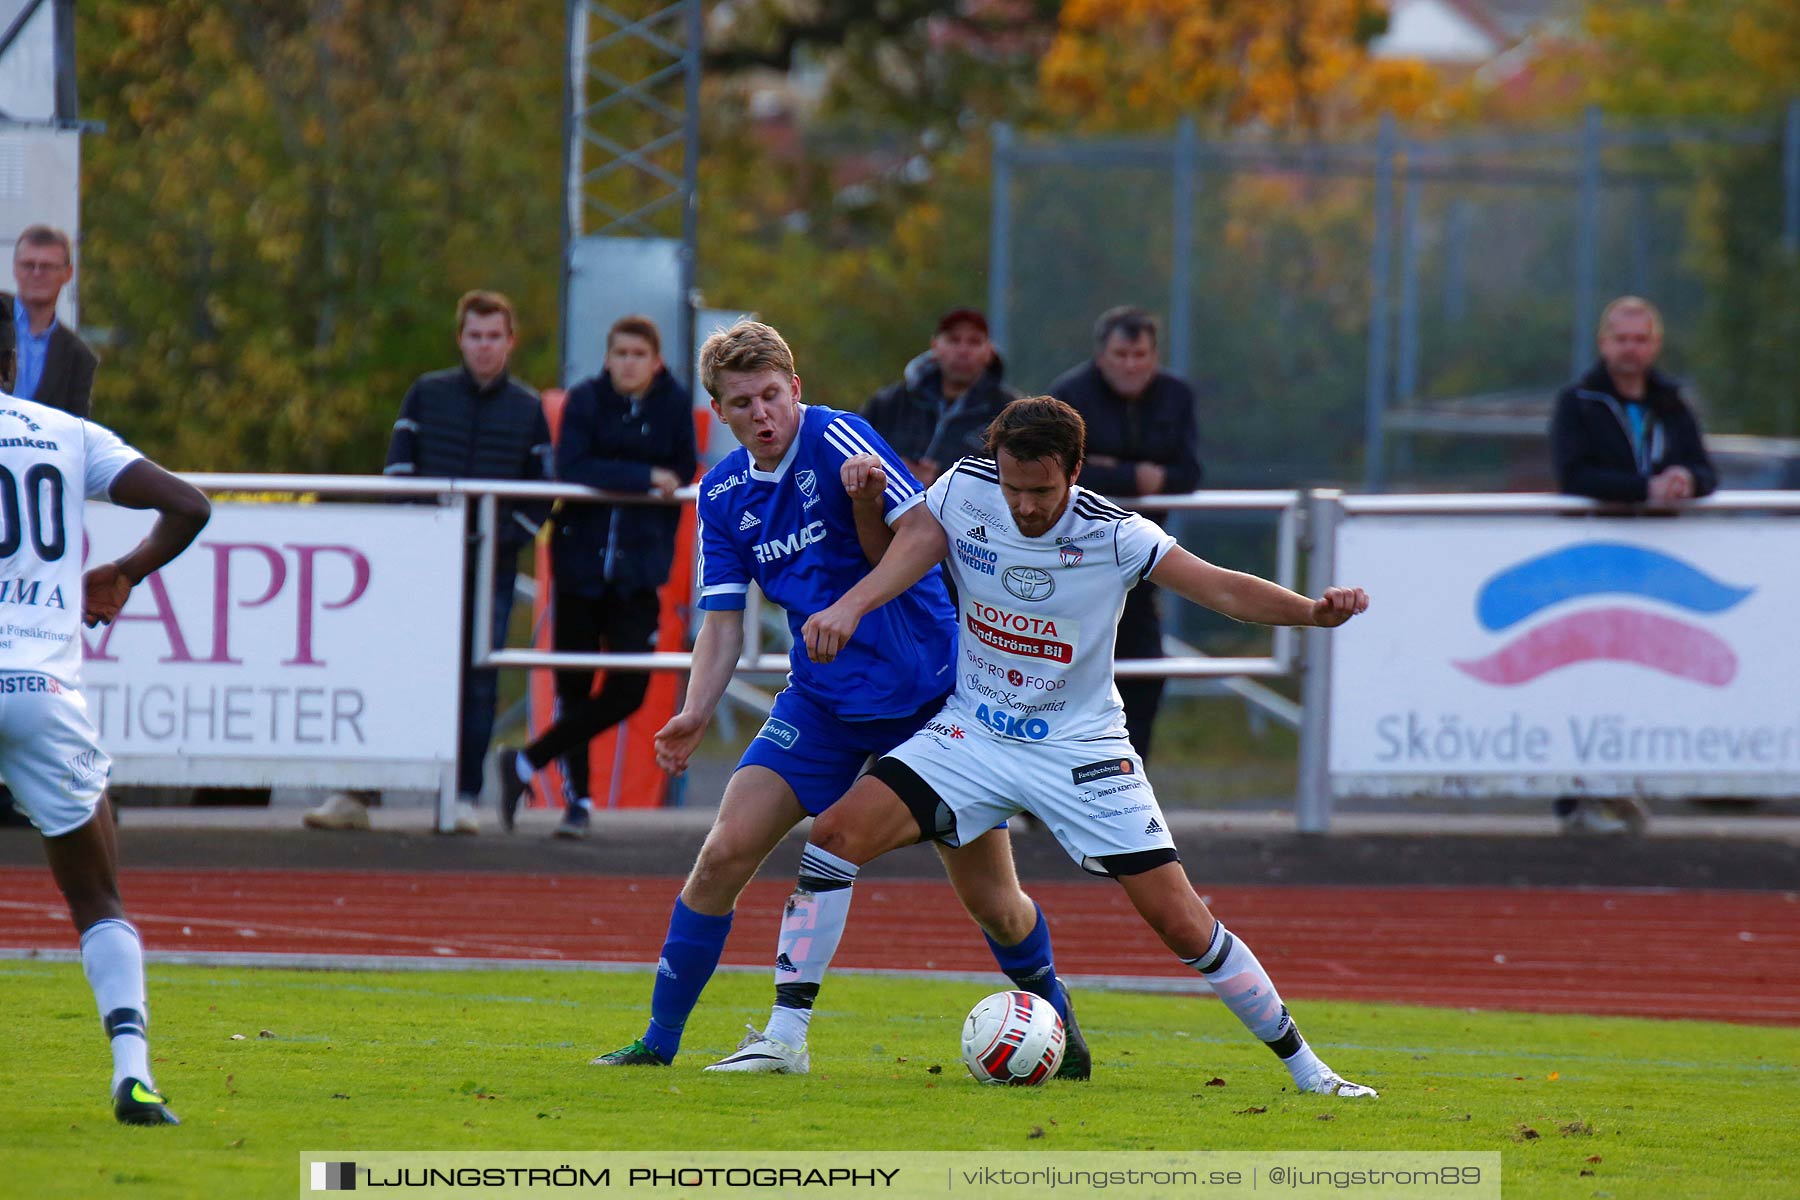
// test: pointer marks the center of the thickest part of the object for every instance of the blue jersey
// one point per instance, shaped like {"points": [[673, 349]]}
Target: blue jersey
{"points": [[792, 533]]}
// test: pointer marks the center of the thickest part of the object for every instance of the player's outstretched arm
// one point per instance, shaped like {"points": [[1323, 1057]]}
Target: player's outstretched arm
{"points": [[1251, 597], [182, 512], [919, 545], [716, 653]]}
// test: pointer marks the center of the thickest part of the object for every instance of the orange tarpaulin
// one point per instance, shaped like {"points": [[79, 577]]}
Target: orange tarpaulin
{"points": [[622, 761]]}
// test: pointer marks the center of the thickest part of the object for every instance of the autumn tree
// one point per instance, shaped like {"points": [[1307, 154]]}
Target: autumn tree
{"points": [[1300, 66], [287, 201]]}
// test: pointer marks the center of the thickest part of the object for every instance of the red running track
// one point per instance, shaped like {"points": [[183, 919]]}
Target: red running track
{"points": [[1712, 954]]}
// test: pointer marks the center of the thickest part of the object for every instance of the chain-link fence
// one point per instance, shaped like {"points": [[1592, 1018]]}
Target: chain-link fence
{"points": [[1356, 312]]}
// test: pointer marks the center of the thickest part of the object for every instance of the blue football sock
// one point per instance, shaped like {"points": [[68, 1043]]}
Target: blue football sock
{"points": [[689, 956], [1032, 965]]}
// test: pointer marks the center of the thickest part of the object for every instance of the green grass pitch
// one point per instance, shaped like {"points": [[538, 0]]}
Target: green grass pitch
{"points": [[497, 1060]]}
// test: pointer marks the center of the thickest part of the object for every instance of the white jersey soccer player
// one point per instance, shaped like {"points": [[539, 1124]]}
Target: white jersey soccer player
{"points": [[1035, 723], [1035, 703], [51, 464]]}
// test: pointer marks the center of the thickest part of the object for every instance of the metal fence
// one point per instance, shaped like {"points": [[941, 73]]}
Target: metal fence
{"points": [[1316, 293], [1307, 528]]}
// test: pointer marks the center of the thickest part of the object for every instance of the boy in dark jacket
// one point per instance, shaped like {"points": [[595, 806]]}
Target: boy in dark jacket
{"points": [[474, 421], [628, 429]]}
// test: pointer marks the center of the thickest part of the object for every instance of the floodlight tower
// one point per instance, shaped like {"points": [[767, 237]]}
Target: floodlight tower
{"points": [[631, 149]]}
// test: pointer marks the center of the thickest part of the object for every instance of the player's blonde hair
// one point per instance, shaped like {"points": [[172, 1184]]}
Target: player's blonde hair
{"points": [[1631, 304], [746, 347]]}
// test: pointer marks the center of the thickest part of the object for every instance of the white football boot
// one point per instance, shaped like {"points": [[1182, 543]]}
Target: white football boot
{"points": [[1330, 1083], [762, 1055]]}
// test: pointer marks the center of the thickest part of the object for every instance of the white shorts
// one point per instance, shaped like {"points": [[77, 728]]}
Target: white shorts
{"points": [[961, 781], [50, 752]]}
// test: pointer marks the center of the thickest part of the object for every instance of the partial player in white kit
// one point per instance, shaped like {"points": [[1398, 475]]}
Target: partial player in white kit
{"points": [[1035, 723], [51, 463]]}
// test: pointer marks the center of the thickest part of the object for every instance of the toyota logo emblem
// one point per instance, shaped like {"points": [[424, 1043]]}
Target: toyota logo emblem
{"points": [[1028, 583]]}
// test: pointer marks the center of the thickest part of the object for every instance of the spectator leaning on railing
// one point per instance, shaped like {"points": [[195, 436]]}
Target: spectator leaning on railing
{"points": [[628, 429], [469, 422], [946, 398], [1622, 432], [1143, 439]]}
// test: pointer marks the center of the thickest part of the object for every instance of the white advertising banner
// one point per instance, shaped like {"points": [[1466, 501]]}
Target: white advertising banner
{"points": [[1550, 655], [313, 644]]}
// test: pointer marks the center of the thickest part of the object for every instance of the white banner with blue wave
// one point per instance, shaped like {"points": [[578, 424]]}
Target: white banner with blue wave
{"points": [[1548, 655]]}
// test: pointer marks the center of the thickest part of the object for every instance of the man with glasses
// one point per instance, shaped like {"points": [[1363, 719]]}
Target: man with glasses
{"points": [[55, 367]]}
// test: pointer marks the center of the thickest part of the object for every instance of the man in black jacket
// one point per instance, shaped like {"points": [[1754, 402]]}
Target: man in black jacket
{"points": [[1622, 432], [941, 408], [469, 422], [55, 366], [1143, 439], [628, 429]]}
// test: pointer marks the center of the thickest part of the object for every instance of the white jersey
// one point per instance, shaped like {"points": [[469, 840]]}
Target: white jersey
{"points": [[1037, 616], [51, 463]]}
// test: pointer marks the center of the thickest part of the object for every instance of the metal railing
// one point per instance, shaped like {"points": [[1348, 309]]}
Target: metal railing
{"points": [[753, 660], [487, 495], [1306, 521]]}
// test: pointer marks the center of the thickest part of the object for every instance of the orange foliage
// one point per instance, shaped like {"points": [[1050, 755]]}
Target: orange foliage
{"points": [[1285, 65]]}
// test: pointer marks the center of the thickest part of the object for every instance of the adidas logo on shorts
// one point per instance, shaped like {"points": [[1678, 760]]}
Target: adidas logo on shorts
{"points": [[1155, 826], [750, 521]]}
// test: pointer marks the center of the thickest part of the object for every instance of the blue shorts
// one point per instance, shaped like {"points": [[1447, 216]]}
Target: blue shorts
{"points": [[820, 755]]}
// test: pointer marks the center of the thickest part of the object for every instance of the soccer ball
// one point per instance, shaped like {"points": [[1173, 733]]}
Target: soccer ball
{"points": [[1014, 1038]]}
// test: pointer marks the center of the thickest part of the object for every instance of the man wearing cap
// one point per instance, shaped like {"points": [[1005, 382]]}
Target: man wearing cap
{"points": [[944, 402]]}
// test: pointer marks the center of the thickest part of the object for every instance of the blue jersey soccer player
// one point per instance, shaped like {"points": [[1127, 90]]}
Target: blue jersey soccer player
{"points": [[800, 510]]}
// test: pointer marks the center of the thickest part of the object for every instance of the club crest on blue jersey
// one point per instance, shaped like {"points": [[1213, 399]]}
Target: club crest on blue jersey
{"points": [[808, 483]]}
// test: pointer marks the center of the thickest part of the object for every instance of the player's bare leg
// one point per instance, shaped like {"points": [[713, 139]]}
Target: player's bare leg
{"points": [[1166, 899], [867, 823], [85, 864], [987, 883], [756, 812]]}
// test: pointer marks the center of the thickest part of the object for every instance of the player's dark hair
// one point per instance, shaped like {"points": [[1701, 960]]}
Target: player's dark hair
{"points": [[1128, 321], [1039, 427]]}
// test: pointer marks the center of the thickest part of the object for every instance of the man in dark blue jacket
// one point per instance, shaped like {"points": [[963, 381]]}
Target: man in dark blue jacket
{"points": [[1143, 439], [628, 429], [1622, 432], [469, 422]]}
